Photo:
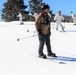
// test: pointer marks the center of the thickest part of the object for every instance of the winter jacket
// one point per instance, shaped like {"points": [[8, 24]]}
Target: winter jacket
{"points": [[42, 22], [20, 16], [73, 16], [58, 18], [35, 15]]}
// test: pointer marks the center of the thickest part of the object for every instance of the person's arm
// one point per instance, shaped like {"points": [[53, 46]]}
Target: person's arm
{"points": [[37, 24]]}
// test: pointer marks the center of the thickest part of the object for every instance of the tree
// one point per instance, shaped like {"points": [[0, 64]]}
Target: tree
{"points": [[11, 9], [35, 6]]}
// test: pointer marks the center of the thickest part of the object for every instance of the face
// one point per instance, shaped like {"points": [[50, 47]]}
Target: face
{"points": [[47, 10], [59, 13]]}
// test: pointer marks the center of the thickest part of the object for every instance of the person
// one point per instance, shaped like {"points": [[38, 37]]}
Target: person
{"points": [[42, 8], [20, 18], [59, 18], [35, 14], [42, 25], [73, 17]]}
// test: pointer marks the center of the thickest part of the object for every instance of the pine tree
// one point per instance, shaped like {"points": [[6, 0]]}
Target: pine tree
{"points": [[35, 6], [11, 9]]}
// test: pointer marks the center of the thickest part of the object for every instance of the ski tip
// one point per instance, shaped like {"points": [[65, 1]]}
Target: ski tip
{"points": [[17, 39]]}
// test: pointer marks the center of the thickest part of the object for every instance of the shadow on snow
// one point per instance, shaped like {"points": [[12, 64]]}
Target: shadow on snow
{"points": [[64, 58], [70, 30]]}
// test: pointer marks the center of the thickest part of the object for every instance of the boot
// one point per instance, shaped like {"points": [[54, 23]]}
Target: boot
{"points": [[63, 30], [74, 24], [56, 29], [21, 23], [43, 56], [52, 55]]}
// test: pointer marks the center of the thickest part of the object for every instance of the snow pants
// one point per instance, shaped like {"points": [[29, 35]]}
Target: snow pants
{"points": [[44, 39], [74, 21], [59, 24]]}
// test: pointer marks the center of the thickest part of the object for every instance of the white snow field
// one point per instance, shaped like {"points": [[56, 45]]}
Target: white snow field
{"points": [[21, 57]]}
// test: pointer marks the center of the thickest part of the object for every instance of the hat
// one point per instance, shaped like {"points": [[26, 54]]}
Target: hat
{"points": [[71, 12], [59, 11], [46, 7]]}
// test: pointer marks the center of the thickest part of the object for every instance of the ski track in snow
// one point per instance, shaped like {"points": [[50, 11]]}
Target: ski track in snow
{"points": [[21, 57]]}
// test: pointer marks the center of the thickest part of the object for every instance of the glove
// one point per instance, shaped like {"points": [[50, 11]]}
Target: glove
{"points": [[39, 31], [49, 32], [54, 21], [64, 20]]}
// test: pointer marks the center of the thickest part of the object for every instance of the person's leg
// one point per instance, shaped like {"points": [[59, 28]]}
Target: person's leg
{"points": [[57, 26], [47, 40], [74, 21], [41, 44], [21, 21], [62, 27]]}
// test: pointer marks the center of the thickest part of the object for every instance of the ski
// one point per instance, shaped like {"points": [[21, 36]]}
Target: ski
{"points": [[54, 59], [57, 59]]}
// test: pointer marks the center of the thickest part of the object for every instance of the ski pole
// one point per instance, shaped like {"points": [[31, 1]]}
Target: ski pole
{"points": [[18, 39], [30, 31]]}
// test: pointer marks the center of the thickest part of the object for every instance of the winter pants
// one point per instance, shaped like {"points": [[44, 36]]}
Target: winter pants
{"points": [[59, 24], [44, 39], [74, 21]]}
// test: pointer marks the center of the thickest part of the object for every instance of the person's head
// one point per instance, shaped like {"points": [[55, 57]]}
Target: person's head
{"points": [[71, 12], [59, 12], [46, 8]]}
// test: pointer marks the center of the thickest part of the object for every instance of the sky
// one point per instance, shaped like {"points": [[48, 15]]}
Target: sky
{"points": [[64, 5]]}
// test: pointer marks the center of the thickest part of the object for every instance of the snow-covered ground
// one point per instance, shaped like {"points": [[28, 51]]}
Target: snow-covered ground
{"points": [[21, 57]]}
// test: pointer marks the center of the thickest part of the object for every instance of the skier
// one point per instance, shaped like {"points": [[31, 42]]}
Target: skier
{"points": [[20, 18], [43, 27], [42, 6], [59, 18], [73, 17], [35, 15]]}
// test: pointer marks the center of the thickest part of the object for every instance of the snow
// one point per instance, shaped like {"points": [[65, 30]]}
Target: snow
{"points": [[21, 57]]}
